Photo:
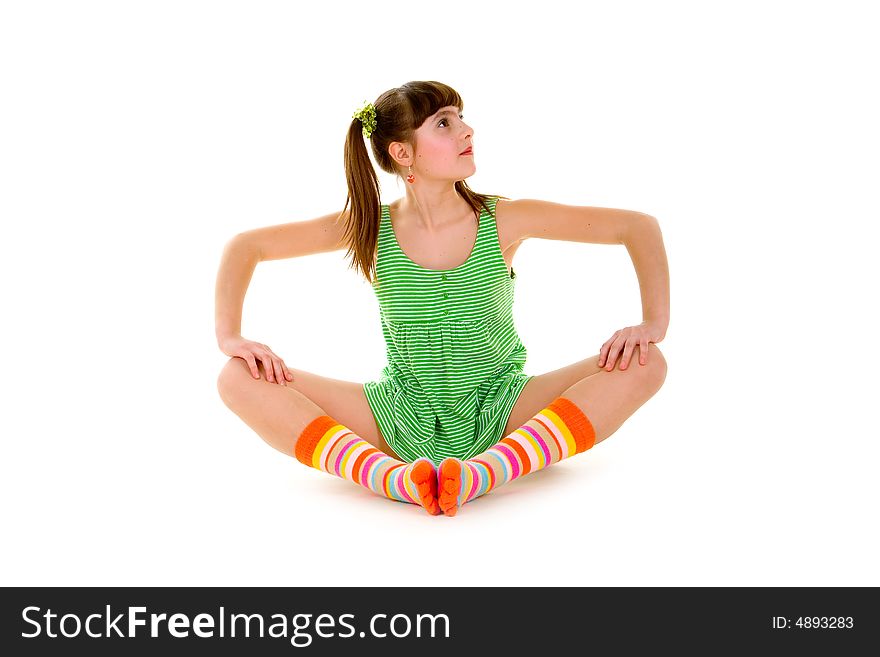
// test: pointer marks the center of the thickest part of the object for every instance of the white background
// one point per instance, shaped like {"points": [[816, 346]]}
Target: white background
{"points": [[138, 137]]}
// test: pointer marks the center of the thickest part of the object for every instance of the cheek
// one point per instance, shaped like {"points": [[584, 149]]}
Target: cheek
{"points": [[435, 150], [436, 154]]}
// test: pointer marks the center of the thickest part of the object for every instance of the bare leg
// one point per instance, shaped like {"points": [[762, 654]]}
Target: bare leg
{"points": [[278, 411], [286, 419], [607, 399]]}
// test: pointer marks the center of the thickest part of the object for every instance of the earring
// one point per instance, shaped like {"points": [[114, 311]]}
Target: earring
{"points": [[410, 178]]}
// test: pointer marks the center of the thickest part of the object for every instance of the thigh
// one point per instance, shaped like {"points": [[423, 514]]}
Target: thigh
{"points": [[544, 388], [344, 401]]}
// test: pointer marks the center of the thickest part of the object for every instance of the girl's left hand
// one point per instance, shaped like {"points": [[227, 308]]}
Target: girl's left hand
{"points": [[624, 341]]}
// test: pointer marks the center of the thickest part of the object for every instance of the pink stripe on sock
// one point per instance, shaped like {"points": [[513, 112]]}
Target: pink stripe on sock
{"points": [[555, 439], [475, 479], [511, 458], [325, 455], [365, 471], [342, 454], [353, 457], [541, 442], [397, 476], [554, 430]]}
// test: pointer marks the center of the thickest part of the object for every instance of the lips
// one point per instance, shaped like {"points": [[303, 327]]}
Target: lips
{"points": [[469, 151]]}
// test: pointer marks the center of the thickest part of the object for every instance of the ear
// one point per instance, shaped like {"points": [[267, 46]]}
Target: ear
{"points": [[401, 153]]}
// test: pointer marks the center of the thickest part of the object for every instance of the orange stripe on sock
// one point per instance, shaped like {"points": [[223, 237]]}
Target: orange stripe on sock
{"points": [[310, 437], [356, 470], [521, 452], [580, 426]]}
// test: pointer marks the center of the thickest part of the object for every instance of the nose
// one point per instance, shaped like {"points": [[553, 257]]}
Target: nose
{"points": [[467, 130]]}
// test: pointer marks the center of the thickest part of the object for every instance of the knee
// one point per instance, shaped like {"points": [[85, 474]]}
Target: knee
{"points": [[655, 368], [232, 379], [651, 375]]}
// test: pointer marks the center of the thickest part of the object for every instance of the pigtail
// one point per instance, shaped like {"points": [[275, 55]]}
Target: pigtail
{"points": [[362, 221]]}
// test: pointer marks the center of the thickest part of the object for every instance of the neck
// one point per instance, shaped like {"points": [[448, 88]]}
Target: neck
{"points": [[432, 206]]}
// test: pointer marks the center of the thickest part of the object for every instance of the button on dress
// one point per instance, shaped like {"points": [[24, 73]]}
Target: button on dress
{"points": [[454, 359]]}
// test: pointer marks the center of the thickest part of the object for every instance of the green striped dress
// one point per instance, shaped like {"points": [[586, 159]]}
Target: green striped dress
{"points": [[455, 361]]}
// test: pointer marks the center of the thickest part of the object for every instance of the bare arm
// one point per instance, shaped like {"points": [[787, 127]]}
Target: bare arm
{"points": [[240, 258], [644, 242], [244, 251], [639, 232]]}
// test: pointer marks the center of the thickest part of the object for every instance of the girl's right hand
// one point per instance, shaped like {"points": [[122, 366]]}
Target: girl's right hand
{"points": [[251, 352]]}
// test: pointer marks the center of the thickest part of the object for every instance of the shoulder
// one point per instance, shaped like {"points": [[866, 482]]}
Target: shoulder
{"points": [[512, 217], [508, 208]]}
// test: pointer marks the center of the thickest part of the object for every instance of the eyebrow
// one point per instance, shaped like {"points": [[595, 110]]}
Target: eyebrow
{"points": [[442, 112]]}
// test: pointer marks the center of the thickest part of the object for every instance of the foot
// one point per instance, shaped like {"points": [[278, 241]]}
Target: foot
{"points": [[424, 477], [449, 485]]}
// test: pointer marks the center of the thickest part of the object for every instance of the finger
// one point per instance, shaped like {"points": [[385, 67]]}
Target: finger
{"points": [[611, 360], [602, 352], [643, 351], [287, 373], [252, 365], [279, 372], [269, 367], [627, 354], [612, 355], [606, 346]]}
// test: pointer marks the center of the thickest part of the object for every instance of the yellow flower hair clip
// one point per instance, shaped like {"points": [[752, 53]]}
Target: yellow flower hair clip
{"points": [[367, 116]]}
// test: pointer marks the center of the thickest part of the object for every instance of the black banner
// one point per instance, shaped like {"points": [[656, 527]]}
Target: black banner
{"points": [[428, 621]]}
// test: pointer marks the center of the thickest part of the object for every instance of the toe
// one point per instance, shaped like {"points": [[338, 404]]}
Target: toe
{"points": [[449, 476], [424, 477]]}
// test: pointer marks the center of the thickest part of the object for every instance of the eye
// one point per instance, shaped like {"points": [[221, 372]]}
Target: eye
{"points": [[461, 116]]}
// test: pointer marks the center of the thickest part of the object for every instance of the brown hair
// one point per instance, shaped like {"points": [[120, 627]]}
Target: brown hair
{"points": [[399, 113]]}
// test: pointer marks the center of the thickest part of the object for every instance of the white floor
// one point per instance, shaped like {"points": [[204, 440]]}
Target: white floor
{"points": [[683, 494]]}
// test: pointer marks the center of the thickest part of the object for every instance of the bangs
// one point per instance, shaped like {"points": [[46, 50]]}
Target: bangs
{"points": [[428, 98]]}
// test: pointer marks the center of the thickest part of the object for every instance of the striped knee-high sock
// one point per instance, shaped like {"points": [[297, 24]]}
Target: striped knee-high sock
{"points": [[329, 446], [559, 431]]}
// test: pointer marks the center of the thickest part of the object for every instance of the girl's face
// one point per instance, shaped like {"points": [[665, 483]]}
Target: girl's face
{"points": [[440, 141]]}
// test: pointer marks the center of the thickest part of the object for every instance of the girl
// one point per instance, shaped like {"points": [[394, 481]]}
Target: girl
{"points": [[440, 261]]}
